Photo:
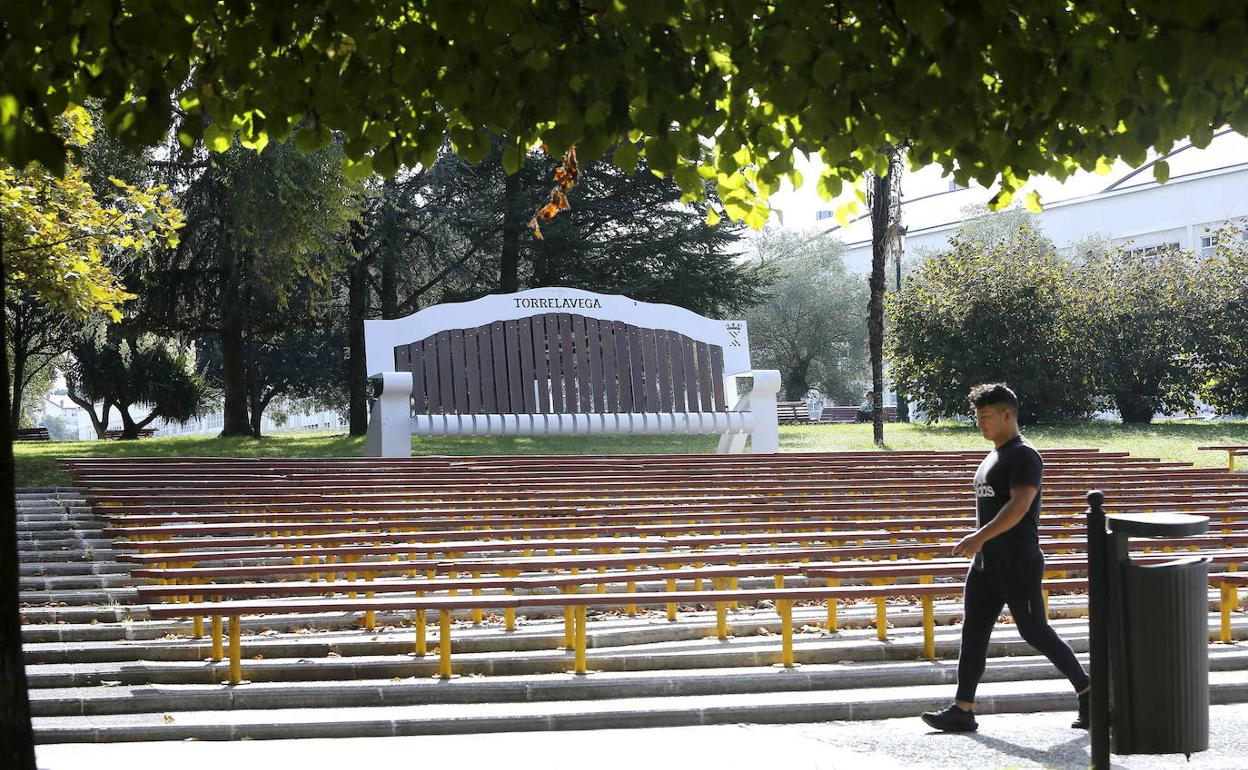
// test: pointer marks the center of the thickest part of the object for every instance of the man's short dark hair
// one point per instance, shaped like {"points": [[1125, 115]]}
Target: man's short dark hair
{"points": [[993, 394]]}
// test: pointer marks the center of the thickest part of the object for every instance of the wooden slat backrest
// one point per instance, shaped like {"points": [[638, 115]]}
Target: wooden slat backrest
{"points": [[541, 366], [524, 341], [562, 363], [623, 381]]}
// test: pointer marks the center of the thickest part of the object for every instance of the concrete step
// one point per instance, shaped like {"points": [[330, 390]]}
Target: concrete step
{"points": [[51, 523], [123, 699], [49, 559], [786, 706], [113, 697], [84, 567], [80, 599], [75, 582]]}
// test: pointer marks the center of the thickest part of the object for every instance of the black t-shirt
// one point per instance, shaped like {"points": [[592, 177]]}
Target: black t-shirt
{"points": [[1016, 463]]}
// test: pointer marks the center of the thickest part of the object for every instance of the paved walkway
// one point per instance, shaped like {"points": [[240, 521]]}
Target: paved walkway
{"points": [[1013, 741]]}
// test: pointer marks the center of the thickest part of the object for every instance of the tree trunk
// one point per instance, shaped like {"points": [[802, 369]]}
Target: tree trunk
{"points": [[1133, 409], [234, 379], [99, 423], [875, 307], [357, 373], [255, 408], [17, 740], [19, 372], [129, 430], [235, 301], [390, 258], [794, 382], [513, 225]]}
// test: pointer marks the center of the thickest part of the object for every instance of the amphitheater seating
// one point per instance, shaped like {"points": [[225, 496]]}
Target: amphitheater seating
{"points": [[223, 538]]}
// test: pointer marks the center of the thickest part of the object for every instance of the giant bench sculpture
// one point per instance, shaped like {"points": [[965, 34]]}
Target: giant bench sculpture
{"points": [[560, 361]]}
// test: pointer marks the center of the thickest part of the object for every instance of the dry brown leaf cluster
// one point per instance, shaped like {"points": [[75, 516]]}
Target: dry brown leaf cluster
{"points": [[566, 176]]}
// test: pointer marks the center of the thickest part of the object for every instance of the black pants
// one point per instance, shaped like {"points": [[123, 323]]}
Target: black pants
{"points": [[987, 591]]}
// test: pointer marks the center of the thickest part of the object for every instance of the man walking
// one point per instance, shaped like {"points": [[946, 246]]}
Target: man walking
{"points": [[1007, 564]]}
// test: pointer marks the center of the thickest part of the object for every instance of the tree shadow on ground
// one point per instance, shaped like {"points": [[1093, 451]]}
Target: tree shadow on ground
{"points": [[1071, 755]]}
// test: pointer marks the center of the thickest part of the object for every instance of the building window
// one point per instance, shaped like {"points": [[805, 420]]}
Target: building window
{"points": [[821, 215], [1152, 251], [954, 186]]}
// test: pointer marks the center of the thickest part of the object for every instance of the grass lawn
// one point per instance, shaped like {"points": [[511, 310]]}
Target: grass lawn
{"points": [[1176, 441]]}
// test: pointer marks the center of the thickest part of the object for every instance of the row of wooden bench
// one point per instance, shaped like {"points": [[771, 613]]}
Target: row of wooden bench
{"points": [[575, 606], [461, 498]]}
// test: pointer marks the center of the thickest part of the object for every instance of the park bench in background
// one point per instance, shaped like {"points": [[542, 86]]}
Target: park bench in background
{"points": [[115, 435], [564, 362], [32, 434], [850, 414], [792, 413]]}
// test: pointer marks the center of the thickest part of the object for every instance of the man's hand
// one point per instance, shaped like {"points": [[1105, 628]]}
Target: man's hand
{"points": [[968, 546]]}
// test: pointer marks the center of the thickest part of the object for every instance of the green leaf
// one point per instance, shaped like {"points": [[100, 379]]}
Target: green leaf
{"points": [[218, 138], [827, 69], [512, 158], [927, 18], [1161, 171], [312, 139], [625, 156]]}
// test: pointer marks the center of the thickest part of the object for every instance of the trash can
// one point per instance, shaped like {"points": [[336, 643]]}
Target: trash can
{"points": [[1158, 640]]}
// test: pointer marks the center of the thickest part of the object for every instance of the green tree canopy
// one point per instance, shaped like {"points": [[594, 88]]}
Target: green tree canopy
{"points": [[992, 311], [1040, 85], [812, 327], [1147, 317], [118, 366], [1224, 348]]}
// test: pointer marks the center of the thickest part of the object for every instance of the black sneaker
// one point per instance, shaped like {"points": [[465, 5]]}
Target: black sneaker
{"points": [[1082, 722], [951, 720]]}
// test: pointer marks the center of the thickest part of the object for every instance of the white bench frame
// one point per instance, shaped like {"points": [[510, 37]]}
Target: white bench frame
{"points": [[391, 423]]}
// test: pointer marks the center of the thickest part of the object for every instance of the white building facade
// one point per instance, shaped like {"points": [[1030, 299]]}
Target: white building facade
{"points": [[1207, 188]]}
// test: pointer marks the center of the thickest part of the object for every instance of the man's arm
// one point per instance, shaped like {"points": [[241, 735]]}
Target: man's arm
{"points": [[1010, 514]]}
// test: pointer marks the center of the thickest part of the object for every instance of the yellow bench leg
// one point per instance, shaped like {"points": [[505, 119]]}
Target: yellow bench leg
{"points": [[477, 615], [785, 607], [833, 625], [236, 649], [721, 614], [197, 628], [422, 644], [580, 667], [929, 629], [671, 606], [569, 622], [1229, 599], [217, 652], [444, 644], [881, 619]]}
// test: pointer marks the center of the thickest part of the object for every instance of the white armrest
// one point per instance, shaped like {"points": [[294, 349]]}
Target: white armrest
{"points": [[390, 423], [765, 437]]}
